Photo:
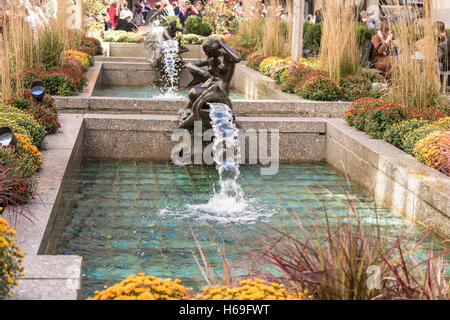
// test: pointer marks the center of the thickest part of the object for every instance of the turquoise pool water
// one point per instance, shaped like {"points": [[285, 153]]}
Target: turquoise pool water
{"points": [[128, 217], [155, 92]]}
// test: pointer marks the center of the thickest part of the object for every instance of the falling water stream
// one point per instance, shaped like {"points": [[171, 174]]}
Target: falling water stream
{"points": [[229, 199], [171, 77], [228, 203]]}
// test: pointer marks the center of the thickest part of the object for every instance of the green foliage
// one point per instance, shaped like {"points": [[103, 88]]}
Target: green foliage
{"points": [[22, 166], [113, 35], [44, 115], [348, 68], [10, 253], [197, 25], [278, 74], [373, 76], [51, 48], [413, 136], [363, 34], [166, 20], [254, 60], [396, 133], [250, 33], [312, 36], [357, 113], [192, 39], [234, 25], [294, 76]]}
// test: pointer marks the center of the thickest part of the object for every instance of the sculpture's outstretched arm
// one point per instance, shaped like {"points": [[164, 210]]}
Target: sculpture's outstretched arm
{"points": [[195, 67], [232, 55]]}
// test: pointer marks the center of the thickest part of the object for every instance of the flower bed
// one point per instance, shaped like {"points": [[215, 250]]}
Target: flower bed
{"points": [[65, 80], [292, 78], [30, 121], [10, 259], [142, 287], [424, 133]]}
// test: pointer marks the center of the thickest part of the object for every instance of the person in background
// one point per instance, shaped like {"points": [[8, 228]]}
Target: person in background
{"points": [[200, 8], [151, 12], [125, 21], [371, 22], [264, 12], [443, 44], [138, 17], [178, 9], [146, 9], [382, 41], [113, 16], [189, 9], [167, 7], [318, 16], [363, 17], [309, 18]]}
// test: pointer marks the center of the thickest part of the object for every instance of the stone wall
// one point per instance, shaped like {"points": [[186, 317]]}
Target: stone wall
{"points": [[394, 177]]}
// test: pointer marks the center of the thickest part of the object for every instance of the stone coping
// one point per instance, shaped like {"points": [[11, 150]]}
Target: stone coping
{"points": [[139, 50], [398, 180], [283, 104]]}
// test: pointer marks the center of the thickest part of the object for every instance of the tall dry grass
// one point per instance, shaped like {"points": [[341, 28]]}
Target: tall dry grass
{"points": [[19, 48], [26, 46], [339, 50], [250, 30], [277, 33], [415, 82], [270, 36]]}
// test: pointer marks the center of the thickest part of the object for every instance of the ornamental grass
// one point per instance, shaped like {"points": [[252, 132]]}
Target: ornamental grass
{"points": [[276, 33], [29, 45], [415, 82], [348, 259], [15, 189], [339, 49]]}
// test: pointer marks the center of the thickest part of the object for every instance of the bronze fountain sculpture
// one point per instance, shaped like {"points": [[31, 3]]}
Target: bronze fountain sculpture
{"points": [[214, 73]]}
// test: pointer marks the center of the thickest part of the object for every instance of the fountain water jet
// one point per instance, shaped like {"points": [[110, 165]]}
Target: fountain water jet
{"points": [[229, 198]]}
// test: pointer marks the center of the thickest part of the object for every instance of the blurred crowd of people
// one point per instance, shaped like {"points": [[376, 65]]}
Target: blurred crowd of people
{"points": [[120, 17]]}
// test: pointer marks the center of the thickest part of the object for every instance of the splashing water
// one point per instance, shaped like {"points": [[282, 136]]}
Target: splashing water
{"points": [[171, 64], [230, 197], [228, 204]]}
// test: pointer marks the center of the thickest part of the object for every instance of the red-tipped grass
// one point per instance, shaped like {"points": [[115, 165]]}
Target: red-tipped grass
{"points": [[10, 200], [332, 261]]}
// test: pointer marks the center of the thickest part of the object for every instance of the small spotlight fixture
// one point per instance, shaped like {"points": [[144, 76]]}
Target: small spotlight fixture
{"points": [[7, 137], [38, 90]]}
